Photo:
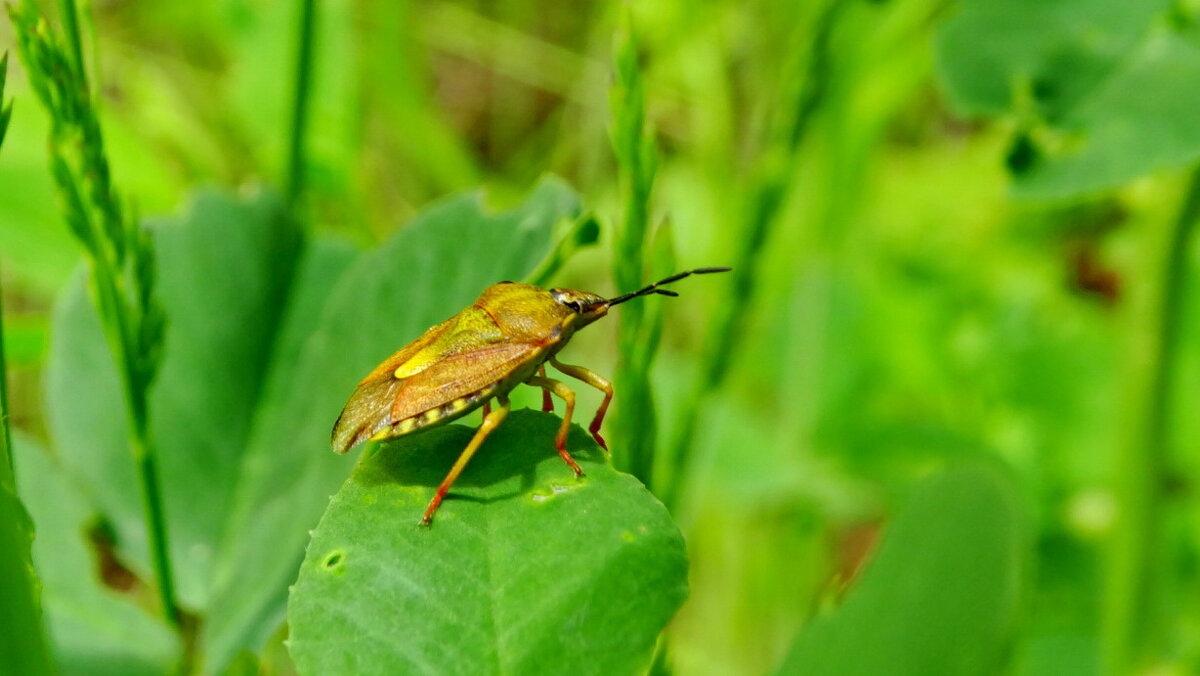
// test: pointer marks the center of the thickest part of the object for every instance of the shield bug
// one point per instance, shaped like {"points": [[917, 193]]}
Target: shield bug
{"points": [[502, 340]]}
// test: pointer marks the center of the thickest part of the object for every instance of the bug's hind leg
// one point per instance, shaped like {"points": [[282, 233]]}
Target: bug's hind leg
{"points": [[598, 382], [490, 422], [568, 396], [547, 402]]}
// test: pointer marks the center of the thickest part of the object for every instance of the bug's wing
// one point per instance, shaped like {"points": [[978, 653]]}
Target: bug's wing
{"points": [[454, 385], [456, 359], [435, 341], [461, 375]]}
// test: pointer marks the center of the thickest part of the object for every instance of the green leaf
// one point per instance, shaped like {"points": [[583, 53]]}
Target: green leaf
{"points": [[94, 631], [941, 595], [1103, 92], [224, 275], [255, 372], [429, 270], [35, 244], [1141, 120], [526, 569], [22, 632], [992, 54]]}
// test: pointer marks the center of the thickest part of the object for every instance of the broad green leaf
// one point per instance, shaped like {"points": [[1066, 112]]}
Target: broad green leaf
{"points": [[941, 595], [224, 273], [994, 54], [1142, 119], [94, 631], [323, 261], [1105, 92], [525, 570], [430, 269]]}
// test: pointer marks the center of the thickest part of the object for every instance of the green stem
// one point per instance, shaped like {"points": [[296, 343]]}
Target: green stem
{"points": [[294, 178], [7, 465], [22, 634], [121, 262], [156, 523], [70, 20], [767, 199], [1141, 465], [635, 421], [121, 341]]}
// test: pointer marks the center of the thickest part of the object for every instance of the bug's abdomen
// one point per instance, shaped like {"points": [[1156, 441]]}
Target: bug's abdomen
{"points": [[447, 412], [368, 414]]}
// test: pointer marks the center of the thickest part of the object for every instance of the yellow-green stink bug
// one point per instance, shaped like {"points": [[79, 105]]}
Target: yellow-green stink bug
{"points": [[502, 340]]}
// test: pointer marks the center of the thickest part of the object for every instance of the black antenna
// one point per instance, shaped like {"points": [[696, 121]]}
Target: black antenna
{"points": [[653, 288]]}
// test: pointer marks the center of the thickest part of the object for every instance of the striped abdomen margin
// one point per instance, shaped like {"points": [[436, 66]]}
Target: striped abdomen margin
{"points": [[449, 410]]}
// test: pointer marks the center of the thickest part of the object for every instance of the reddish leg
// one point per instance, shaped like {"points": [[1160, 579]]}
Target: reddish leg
{"points": [[560, 440], [597, 382], [490, 422], [547, 402]]}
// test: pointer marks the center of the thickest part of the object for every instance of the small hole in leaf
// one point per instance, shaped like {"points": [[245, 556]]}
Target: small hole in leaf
{"points": [[334, 559]]}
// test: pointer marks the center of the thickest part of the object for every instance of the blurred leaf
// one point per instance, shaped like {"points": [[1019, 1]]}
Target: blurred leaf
{"points": [[524, 570], [22, 631], [225, 269], [35, 245], [1142, 119], [429, 270], [1104, 94], [245, 664], [1057, 654], [25, 338], [991, 53], [940, 596], [570, 236], [94, 631]]}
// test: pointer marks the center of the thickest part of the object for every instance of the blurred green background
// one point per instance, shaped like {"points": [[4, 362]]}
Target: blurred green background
{"points": [[977, 251]]}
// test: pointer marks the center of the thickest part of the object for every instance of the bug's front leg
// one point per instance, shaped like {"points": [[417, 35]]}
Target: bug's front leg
{"points": [[568, 396], [598, 382], [547, 402], [490, 422]]}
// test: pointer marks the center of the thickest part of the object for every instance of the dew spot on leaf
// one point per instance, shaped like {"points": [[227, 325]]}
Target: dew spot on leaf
{"points": [[548, 493]]}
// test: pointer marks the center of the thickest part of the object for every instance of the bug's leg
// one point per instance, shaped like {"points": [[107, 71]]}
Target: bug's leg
{"points": [[547, 402], [490, 422], [560, 441], [597, 382], [487, 409]]}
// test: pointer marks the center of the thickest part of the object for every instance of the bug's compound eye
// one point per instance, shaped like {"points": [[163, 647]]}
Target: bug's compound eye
{"points": [[579, 302], [565, 297]]}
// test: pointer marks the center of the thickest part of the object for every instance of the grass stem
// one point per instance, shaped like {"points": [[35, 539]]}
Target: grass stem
{"points": [[1130, 618], [70, 19], [23, 643], [119, 252], [767, 198], [7, 464], [633, 144], [298, 122]]}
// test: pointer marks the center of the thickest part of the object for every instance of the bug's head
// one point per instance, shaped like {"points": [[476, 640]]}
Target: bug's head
{"points": [[588, 307]]}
